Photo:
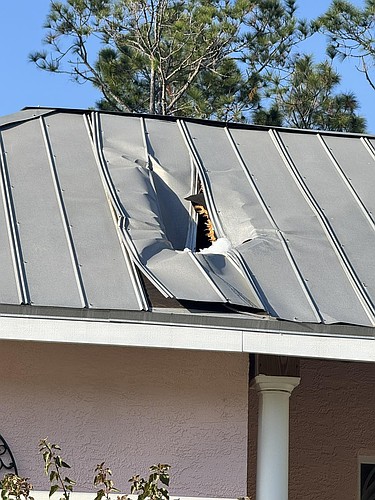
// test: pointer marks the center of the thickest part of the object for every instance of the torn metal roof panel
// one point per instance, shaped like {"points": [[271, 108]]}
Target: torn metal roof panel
{"points": [[93, 201]]}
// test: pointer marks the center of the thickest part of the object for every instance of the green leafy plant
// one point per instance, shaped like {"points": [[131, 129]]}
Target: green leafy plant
{"points": [[14, 487], [151, 488], [103, 478], [53, 467]]}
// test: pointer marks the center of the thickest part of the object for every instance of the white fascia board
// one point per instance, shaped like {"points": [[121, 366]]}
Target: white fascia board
{"points": [[131, 334], [304, 345], [120, 333]]}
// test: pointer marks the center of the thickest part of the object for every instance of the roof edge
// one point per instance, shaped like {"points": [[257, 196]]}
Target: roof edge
{"points": [[189, 337], [214, 123]]}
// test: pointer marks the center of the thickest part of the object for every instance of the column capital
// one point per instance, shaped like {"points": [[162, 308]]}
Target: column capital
{"points": [[265, 383]]}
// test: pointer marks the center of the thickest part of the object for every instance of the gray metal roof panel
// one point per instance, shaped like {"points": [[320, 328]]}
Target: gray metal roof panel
{"points": [[24, 115], [95, 201], [10, 290], [38, 218], [102, 266], [128, 165], [173, 177]]}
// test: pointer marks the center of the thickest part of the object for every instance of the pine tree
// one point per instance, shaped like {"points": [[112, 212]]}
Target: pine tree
{"points": [[199, 57], [351, 32], [307, 99]]}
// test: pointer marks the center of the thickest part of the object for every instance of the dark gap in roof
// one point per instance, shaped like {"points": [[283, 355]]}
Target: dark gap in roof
{"points": [[205, 231], [218, 307], [202, 240], [155, 297], [244, 309]]}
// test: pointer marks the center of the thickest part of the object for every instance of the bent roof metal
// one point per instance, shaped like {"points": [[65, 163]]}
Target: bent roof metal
{"points": [[93, 203]]}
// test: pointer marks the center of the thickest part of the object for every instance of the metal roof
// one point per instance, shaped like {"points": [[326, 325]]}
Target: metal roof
{"points": [[93, 206]]}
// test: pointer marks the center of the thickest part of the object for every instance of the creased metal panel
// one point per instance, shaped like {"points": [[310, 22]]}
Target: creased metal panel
{"points": [[351, 228], [105, 274], [127, 164], [178, 272], [172, 177], [229, 280], [48, 267], [314, 257], [24, 115], [282, 293], [244, 218], [240, 212]]}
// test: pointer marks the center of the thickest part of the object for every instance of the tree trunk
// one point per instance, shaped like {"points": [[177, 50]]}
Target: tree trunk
{"points": [[152, 88]]}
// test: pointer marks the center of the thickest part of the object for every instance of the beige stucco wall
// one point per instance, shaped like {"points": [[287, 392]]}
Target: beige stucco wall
{"points": [[332, 422], [131, 407]]}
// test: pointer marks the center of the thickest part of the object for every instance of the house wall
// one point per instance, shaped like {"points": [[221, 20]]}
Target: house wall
{"points": [[332, 417], [130, 407]]}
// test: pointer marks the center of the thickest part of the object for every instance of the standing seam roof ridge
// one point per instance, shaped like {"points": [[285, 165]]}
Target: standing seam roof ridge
{"points": [[233, 255], [191, 236], [353, 279], [285, 246], [194, 259], [369, 146], [134, 277], [63, 213], [115, 208], [147, 157], [121, 213], [203, 178], [220, 295], [15, 244]]}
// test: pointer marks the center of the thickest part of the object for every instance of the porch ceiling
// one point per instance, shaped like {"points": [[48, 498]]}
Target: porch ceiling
{"points": [[94, 216]]}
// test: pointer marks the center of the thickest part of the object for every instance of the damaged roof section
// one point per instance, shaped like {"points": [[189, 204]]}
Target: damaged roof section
{"points": [[95, 204]]}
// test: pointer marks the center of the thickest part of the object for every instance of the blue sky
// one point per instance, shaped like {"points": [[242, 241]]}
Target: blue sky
{"points": [[21, 84]]}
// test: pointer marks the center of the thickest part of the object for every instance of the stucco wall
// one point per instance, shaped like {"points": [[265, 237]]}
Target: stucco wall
{"points": [[332, 422], [130, 407]]}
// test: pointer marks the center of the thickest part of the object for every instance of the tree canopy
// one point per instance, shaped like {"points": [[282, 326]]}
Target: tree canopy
{"points": [[307, 99], [224, 59], [351, 32]]}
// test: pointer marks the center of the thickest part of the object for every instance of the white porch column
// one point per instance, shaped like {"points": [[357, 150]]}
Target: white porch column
{"points": [[273, 435]]}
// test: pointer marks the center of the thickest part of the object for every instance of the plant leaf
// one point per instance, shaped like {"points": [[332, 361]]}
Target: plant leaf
{"points": [[53, 489], [164, 479]]}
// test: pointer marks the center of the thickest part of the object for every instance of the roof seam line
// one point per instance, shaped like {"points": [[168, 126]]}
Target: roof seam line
{"points": [[346, 181], [94, 128], [279, 233], [203, 177], [191, 236], [206, 275], [63, 213], [11, 221], [284, 244], [234, 257], [148, 157], [121, 212], [331, 236], [209, 198], [369, 146]]}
